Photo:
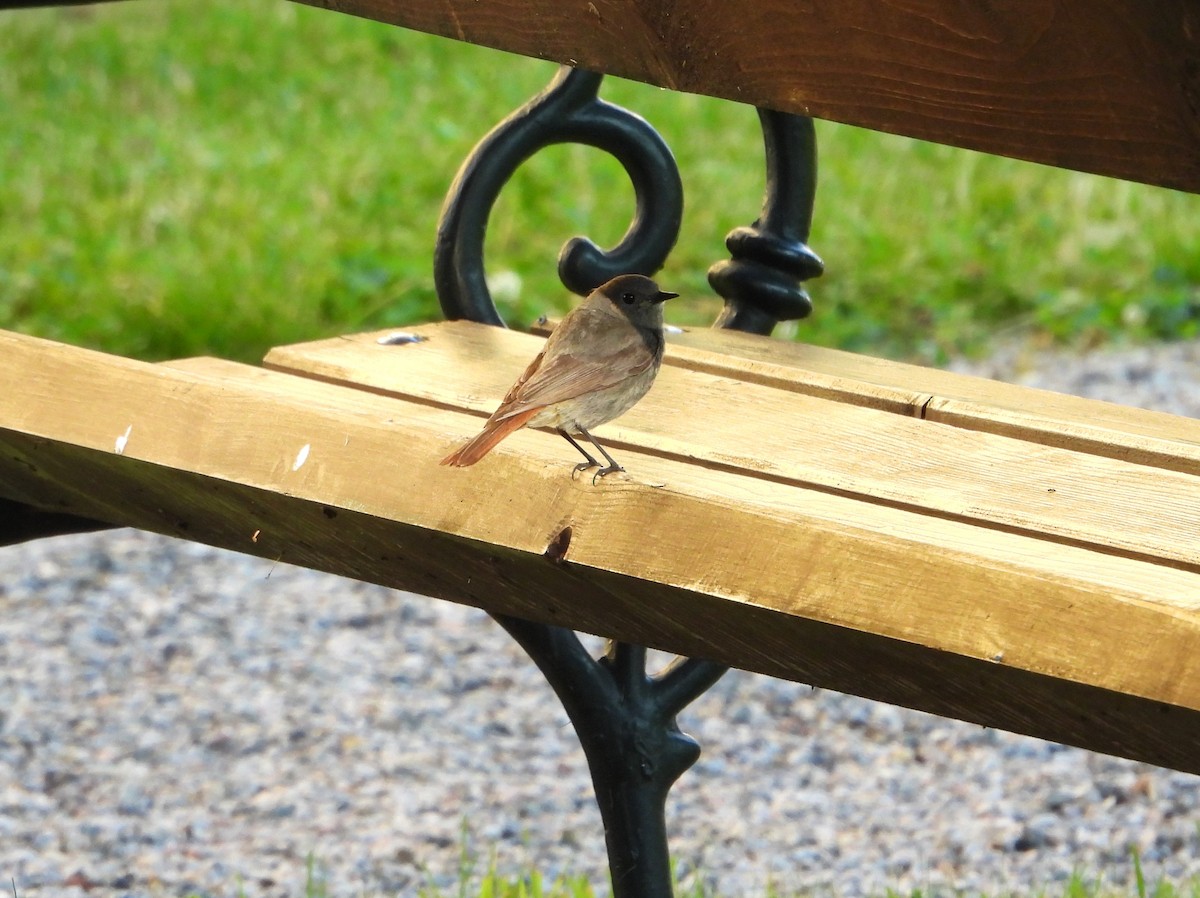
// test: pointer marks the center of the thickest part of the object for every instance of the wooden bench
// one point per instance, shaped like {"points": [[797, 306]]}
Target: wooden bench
{"points": [[1016, 558], [978, 550]]}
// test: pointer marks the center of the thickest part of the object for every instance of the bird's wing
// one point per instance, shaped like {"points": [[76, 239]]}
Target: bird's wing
{"points": [[530, 369], [603, 352]]}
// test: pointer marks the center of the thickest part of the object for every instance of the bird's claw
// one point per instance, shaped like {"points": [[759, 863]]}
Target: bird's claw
{"points": [[604, 472], [583, 466]]}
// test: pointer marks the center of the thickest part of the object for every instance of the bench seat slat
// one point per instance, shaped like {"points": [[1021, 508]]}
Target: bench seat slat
{"points": [[723, 422], [1137, 435]]}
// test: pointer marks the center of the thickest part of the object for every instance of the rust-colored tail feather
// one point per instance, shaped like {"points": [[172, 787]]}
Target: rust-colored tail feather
{"points": [[479, 446]]}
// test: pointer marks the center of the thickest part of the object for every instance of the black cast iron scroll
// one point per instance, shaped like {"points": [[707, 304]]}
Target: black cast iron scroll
{"points": [[625, 717], [568, 111]]}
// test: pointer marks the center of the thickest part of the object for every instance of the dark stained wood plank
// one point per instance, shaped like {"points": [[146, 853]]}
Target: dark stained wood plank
{"points": [[20, 522], [1105, 86]]}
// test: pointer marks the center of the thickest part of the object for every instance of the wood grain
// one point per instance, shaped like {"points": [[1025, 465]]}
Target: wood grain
{"points": [[1057, 641], [783, 436], [1105, 86]]}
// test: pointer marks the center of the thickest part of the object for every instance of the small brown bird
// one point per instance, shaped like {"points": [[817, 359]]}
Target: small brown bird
{"points": [[596, 365]]}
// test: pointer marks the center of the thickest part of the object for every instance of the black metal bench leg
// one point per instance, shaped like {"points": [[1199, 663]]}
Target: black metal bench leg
{"points": [[625, 720]]}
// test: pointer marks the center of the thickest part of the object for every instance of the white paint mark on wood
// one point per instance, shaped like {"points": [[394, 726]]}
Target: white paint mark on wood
{"points": [[301, 457], [123, 441]]}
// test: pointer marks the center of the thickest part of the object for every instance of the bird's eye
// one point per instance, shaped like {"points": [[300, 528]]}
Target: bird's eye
{"points": [[627, 298]]}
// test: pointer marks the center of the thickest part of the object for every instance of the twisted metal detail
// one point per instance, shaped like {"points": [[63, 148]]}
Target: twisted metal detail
{"points": [[568, 111], [761, 283]]}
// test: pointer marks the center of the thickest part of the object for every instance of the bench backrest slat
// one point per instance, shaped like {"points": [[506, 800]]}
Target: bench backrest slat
{"points": [[1104, 86]]}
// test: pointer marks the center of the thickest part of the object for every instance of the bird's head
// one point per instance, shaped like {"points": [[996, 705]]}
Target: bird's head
{"points": [[636, 297]]}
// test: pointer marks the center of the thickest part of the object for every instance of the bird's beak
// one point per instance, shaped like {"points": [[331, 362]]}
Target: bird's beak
{"points": [[663, 296]]}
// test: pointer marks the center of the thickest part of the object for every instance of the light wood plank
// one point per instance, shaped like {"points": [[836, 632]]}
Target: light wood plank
{"points": [[728, 424], [1136, 435], [1058, 641]]}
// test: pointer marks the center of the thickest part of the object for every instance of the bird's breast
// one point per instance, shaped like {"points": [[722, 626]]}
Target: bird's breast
{"points": [[598, 406]]}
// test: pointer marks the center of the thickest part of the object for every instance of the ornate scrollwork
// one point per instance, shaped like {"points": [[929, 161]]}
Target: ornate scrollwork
{"points": [[568, 111], [761, 283]]}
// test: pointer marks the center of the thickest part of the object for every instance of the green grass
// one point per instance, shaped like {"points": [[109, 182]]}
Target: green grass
{"points": [[489, 883], [186, 177], [533, 885], [472, 883]]}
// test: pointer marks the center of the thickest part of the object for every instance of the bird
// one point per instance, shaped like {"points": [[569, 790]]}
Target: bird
{"points": [[600, 360]]}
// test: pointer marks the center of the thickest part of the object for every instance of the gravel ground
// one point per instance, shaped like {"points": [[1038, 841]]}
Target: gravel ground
{"points": [[178, 720]]}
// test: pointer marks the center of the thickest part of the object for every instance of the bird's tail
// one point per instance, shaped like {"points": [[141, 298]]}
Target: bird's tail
{"points": [[479, 446]]}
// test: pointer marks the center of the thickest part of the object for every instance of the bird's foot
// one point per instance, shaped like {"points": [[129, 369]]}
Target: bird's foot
{"points": [[604, 472], [584, 466]]}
